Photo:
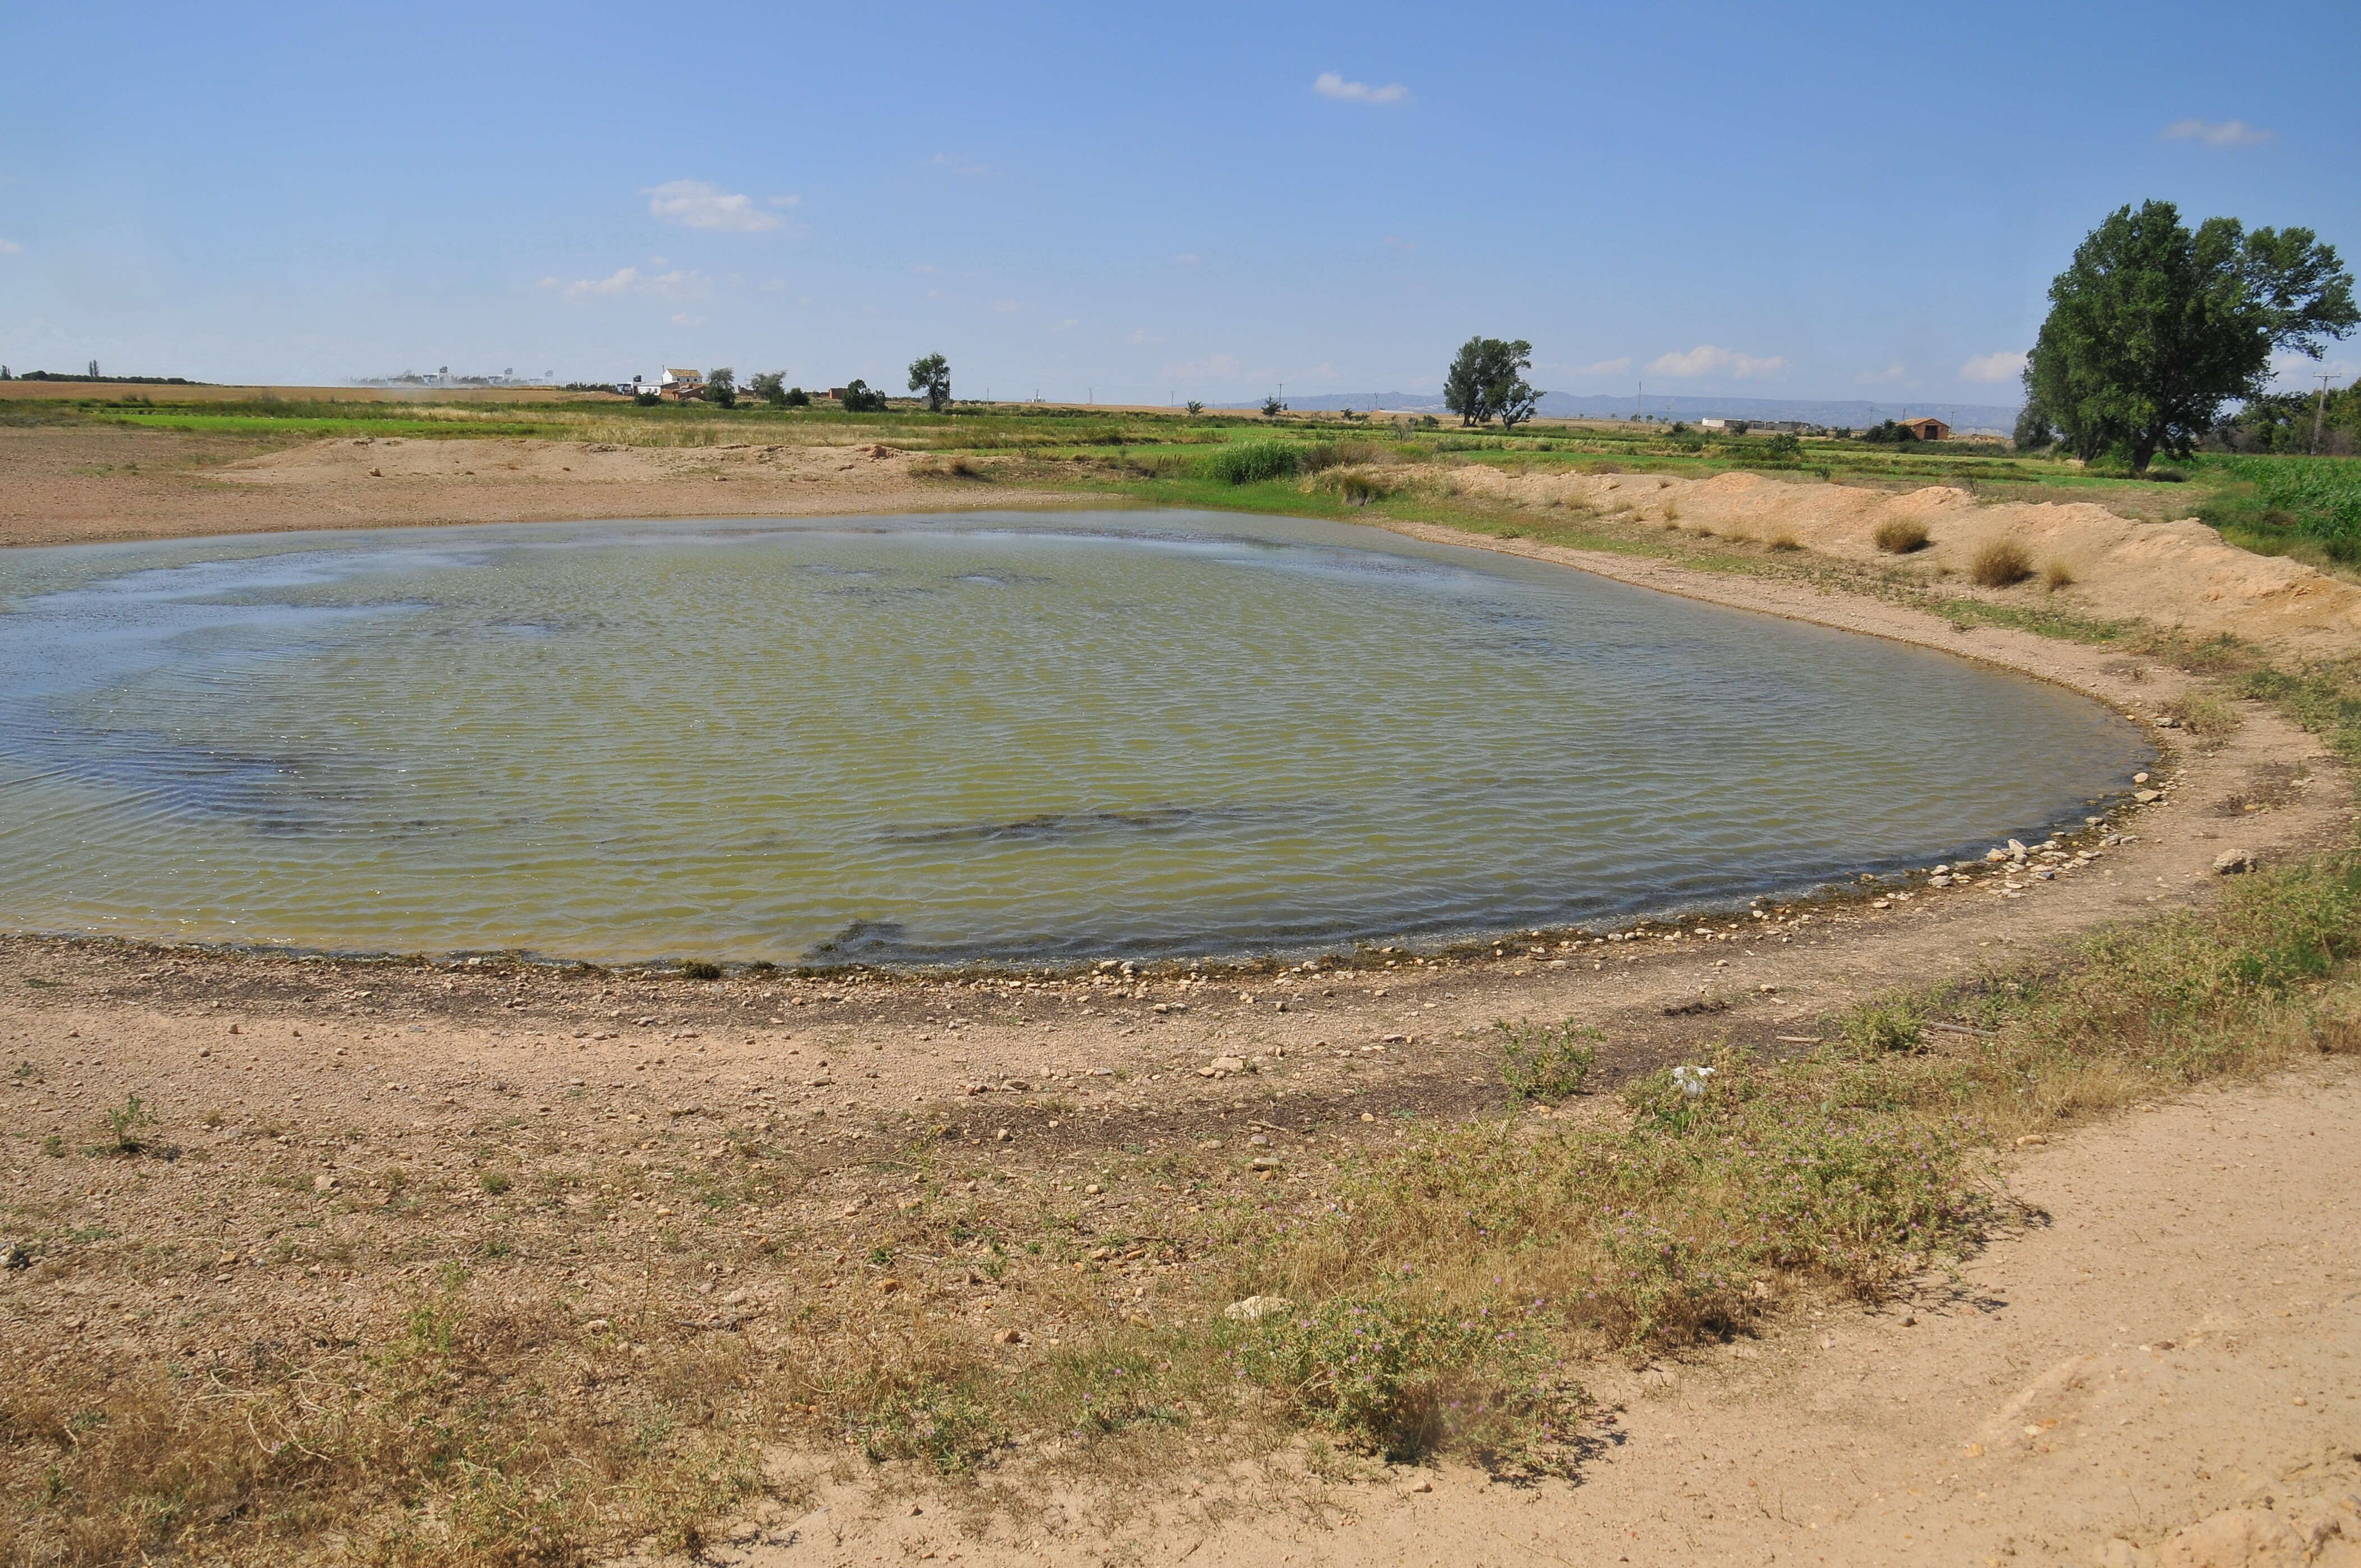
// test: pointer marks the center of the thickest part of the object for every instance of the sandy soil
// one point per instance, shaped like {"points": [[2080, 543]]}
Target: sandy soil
{"points": [[75, 484], [2126, 1365], [2156, 1369], [2177, 573]]}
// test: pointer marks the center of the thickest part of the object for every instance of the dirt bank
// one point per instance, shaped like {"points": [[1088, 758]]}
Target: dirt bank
{"points": [[2178, 574], [84, 484]]}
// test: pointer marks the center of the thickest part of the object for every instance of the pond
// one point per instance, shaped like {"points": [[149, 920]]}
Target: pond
{"points": [[921, 738]]}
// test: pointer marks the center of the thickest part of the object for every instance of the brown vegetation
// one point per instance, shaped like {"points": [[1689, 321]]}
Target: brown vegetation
{"points": [[1901, 535], [2001, 564]]}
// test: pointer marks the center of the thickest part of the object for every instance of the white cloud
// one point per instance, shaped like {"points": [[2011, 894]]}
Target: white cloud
{"points": [[1394, 242], [10, 247], [1328, 85], [1213, 368], [1141, 334], [1615, 366], [1893, 372], [1998, 367], [1070, 320], [1007, 307], [2226, 133], [1705, 359], [674, 284], [961, 164], [1187, 258], [684, 319], [701, 205]]}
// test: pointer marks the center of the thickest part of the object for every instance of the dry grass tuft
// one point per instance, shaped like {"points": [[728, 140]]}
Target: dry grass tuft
{"points": [[1783, 542], [2205, 717], [2056, 575], [947, 466], [2001, 564], [1901, 535]]}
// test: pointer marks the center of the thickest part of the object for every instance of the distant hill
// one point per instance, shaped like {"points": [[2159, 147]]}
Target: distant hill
{"points": [[1854, 414]]}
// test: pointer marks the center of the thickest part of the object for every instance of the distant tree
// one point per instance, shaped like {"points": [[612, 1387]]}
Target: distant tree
{"points": [[932, 377], [795, 397], [770, 386], [94, 369], [2034, 432], [1784, 447], [860, 400], [1485, 382], [2152, 327], [1887, 433], [721, 386], [6, 377], [647, 397], [1272, 408], [1193, 405]]}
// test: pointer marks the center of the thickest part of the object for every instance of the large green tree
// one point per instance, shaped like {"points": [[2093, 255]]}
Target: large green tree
{"points": [[1486, 382], [2153, 327], [932, 375]]}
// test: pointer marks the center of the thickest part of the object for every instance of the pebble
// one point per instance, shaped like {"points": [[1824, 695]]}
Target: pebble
{"points": [[1255, 1309], [2147, 796], [2231, 862]]}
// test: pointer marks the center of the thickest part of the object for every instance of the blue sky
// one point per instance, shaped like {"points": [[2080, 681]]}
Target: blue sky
{"points": [[1129, 203]]}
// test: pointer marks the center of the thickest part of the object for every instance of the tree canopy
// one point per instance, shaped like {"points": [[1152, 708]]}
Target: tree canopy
{"points": [[932, 375], [721, 386], [859, 398], [2153, 327], [1486, 382]]}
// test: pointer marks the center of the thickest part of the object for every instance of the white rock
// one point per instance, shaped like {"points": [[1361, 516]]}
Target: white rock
{"points": [[2230, 862], [1255, 1309]]}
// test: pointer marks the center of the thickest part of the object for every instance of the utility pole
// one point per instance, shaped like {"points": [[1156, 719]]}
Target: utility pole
{"points": [[1639, 398], [2319, 408]]}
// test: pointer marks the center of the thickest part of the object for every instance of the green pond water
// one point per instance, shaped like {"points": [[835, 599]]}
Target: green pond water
{"points": [[940, 737]]}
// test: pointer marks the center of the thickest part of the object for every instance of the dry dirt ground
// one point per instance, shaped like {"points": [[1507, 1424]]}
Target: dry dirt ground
{"points": [[2155, 1368], [73, 485], [2125, 1365]]}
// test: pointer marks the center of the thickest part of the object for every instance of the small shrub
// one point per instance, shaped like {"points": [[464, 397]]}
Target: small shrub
{"points": [[1403, 1380], [2207, 718], [1900, 535], [698, 968], [1784, 541], [1878, 1028], [947, 1427], [2056, 575], [2003, 564], [1546, 1061], [128, 1130], [496, 1182], [54, 1146]]}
